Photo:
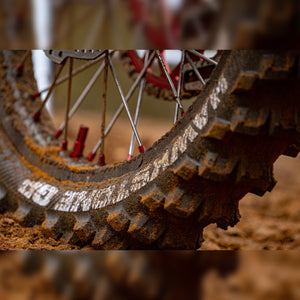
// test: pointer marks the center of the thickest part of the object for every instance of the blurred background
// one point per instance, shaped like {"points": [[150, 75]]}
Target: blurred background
{"points": [[149, 275], [139, 24]]}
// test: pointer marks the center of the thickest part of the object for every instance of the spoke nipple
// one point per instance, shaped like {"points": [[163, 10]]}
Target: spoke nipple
{"points": [[19, 70], [58, 133], [91, 156], [129, 157], [64, 146], [34, 96], [36, 116], [79, 144], [142, 149], [102, 160]]}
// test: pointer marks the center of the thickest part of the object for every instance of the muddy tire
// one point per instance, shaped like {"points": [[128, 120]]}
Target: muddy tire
{"points": [[224, 147]]}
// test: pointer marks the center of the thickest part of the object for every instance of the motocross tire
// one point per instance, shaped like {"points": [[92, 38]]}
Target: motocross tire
{"points": [[224, 146]]}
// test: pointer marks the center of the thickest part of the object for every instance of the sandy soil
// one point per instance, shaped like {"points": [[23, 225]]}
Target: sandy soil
{"points": [[268, 222]]}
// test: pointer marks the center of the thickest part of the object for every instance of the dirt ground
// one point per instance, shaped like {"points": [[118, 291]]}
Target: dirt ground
{"points": [[269, 222]]}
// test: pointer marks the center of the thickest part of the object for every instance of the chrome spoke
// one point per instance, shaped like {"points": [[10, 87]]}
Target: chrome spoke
{"points": [[177, 98], [66, 77], [81, 98], [203, 56], [36, 116], [176, 113], [137, 111], [195, 69], [179, 85], [65, 142], [141, 147], [102, 157], [121, 107]]}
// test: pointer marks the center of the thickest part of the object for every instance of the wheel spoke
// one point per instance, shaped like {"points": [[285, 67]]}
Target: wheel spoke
{"points": [[141, 147], [81, 98], [102, 157], [195, 69], [170, 81], [137, 111], [179, 85], [121, 107], [36, 116], [65, 142], [165, 62], [65, 78], [203, 56]]}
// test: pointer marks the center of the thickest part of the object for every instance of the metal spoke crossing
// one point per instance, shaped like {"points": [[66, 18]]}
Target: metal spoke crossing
{"points": [[36, 116], [107, 63], [81, 98], [179, 85], [66, 77], [141, 147], [195, 69], [121, 107], [137, 111], [203, 56], [176, 96]]}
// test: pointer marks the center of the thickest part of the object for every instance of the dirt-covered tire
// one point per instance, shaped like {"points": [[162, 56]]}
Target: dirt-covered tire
{"points": [[224, 147]]}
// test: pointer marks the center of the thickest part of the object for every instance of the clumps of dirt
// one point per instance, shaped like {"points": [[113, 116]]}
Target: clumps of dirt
{"points": [[15, 237], [51, 154], [45, 152]]}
